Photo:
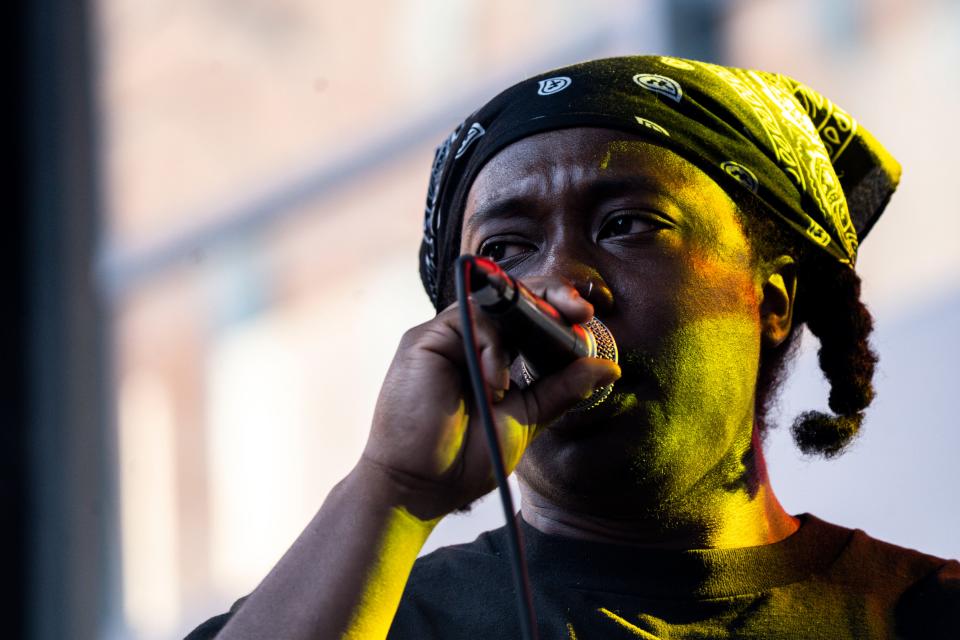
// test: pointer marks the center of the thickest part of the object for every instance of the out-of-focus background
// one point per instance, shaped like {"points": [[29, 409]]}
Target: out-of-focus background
{"points": [[222, 206]]}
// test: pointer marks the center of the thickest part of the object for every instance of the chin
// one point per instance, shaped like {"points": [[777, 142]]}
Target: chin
{"points": [[604, 473]]}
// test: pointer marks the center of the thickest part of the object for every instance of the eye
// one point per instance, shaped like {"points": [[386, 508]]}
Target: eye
{"points": [[627, 225], [502, 249]]}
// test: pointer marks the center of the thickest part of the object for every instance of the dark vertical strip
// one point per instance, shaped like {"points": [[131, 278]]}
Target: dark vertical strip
{"points": [[69, 500], [13, 335]]}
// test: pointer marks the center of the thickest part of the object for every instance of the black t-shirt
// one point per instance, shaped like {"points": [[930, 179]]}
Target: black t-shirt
{"points": [[824, 581]]}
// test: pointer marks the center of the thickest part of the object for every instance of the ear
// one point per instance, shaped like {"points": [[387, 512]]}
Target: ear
{"points": [[778, 292]]}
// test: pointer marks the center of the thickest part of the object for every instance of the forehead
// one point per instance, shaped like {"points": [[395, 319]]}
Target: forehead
{"points": [[590, 163], [588, 148]]}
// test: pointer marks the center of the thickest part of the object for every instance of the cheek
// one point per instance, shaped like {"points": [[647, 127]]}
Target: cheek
{"points": [[710, 356], [709, 366], [718, 315], [719, 284], [712, 365], [699, 294]]}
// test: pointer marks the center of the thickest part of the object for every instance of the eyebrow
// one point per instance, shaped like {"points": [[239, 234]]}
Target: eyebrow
{"points": [[511, 207], [596, 190], [607, 187]]}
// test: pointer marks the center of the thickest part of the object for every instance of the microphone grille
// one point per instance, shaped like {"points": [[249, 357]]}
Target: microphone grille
{"points": [[606, 349], [606, 345]]}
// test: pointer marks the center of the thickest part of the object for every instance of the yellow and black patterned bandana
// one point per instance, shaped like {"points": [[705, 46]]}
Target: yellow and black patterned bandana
{"points": [[804, 158]]}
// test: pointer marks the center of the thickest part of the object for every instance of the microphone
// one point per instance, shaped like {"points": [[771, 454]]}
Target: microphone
{"points": [[528, 323]]}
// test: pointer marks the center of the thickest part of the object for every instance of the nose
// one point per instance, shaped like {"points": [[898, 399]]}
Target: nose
{"points": [[594, 290], [588, 282], [571, 254]]}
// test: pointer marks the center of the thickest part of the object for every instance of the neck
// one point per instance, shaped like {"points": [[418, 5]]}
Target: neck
{"points": [[721, 519]]}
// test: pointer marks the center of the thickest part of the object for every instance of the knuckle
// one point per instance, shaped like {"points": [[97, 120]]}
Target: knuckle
{"points": [[411, 336], [424, 334]]}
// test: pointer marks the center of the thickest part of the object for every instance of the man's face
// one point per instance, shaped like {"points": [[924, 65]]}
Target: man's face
{"points": [[675, 283]]}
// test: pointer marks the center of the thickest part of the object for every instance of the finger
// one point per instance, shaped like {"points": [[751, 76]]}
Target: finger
{"points": [[496, 371], [493, 354], [561, 295], [548, 398]]}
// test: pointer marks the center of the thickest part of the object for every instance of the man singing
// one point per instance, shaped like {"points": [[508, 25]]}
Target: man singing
{"points": [[705, 214]]}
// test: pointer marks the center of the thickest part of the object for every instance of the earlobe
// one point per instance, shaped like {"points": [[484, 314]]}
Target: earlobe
{"points": [[778, 293]]}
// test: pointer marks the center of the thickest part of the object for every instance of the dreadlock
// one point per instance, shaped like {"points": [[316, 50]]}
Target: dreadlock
{"points": [[828, 303]]}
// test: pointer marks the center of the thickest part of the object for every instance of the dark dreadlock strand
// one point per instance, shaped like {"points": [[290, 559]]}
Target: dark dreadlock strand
{"points": [[834, 313], [828, 303]]}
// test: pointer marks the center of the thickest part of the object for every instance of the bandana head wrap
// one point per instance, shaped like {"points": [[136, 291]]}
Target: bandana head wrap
{"points": [[807, 162]]}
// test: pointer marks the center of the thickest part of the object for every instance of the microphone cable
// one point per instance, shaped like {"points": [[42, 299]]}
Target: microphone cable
{"points": [[518, 563]]}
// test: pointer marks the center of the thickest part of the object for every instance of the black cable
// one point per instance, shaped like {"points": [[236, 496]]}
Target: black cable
{"points": [[521, 579]]}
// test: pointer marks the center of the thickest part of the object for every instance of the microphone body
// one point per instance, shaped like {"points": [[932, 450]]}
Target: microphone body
{"points": [[529, 324]]}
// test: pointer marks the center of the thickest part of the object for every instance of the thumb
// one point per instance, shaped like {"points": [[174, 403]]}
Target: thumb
{"points": [[548, 398]]}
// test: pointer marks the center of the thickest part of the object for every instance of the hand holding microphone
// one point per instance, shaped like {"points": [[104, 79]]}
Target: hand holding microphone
{"points": [[425, 437]]}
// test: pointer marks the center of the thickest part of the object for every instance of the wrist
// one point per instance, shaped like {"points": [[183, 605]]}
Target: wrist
{"points": [[415, 499]]}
